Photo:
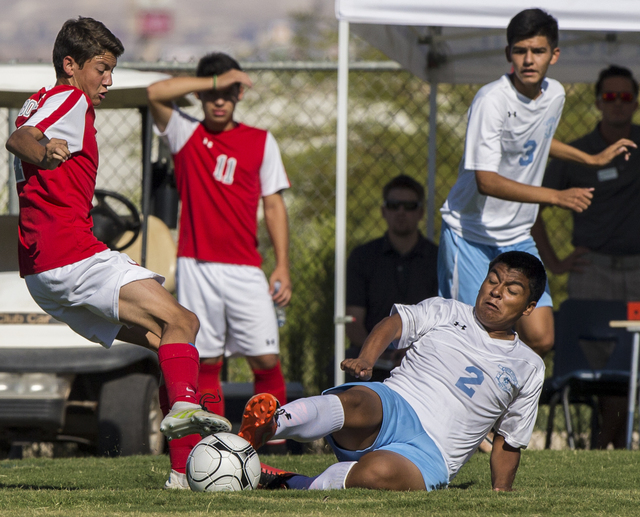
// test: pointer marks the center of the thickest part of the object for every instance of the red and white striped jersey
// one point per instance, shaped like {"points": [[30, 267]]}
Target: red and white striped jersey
{"points": [[55, 224]]}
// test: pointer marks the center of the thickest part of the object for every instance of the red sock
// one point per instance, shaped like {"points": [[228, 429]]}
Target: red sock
{"points": [[179, 448], [209, 383], [179, 364], [271, 381]]}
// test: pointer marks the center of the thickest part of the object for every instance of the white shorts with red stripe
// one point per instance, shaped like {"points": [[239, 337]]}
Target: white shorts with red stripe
{"points": [[233, 305], [85, 294]]}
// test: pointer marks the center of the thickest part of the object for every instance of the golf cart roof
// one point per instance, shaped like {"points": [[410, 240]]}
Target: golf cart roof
{"points": [[18, 82]]}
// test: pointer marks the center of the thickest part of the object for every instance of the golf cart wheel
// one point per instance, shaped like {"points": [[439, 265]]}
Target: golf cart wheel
{"points": [[129, 417]]}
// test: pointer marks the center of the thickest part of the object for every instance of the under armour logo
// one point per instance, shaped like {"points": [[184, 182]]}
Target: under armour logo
{"points": [[457, 324], [271, 342], [514, 114]]}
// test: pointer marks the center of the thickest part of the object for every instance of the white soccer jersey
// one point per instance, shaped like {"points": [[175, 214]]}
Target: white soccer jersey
{"points": [[510, 134], [461, 382]]}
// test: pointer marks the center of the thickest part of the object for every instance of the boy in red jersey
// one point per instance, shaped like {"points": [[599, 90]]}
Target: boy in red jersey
{"points": [[101, 294], [223, 168]]}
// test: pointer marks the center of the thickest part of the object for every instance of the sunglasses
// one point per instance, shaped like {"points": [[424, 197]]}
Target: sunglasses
{"points": [[623, 96], [409, 206]]}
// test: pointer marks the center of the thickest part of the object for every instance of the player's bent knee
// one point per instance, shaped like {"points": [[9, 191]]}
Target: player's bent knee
{"points": [[360, 399], [186, 320]]}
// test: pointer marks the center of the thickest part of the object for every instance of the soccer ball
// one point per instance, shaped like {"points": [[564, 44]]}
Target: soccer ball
{"points": [[223, 461]]}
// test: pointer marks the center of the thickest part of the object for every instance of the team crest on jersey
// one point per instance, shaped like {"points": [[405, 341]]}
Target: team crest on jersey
{"points": [[550, 124], [507, 380], [27, 108]]}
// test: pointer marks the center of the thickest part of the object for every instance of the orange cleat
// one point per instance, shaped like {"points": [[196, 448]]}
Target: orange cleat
{"points": [[259, 419]]}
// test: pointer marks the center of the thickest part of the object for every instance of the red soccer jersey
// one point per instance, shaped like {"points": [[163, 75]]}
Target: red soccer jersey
{"points": [[221, 178], [55, 224]]}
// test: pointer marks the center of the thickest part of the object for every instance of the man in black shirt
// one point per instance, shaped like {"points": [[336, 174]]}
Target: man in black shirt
{"points": [[399, 267], [605, 262]]}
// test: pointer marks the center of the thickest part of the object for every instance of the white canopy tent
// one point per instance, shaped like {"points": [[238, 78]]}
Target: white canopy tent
{"points": [[463, 41]]}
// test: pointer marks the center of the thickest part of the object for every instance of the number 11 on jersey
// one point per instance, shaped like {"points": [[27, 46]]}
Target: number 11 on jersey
{"points": [[225, 169]]}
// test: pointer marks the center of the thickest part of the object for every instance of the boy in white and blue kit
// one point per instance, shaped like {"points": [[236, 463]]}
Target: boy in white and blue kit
{"points": [[465, 372], [494, 202]]}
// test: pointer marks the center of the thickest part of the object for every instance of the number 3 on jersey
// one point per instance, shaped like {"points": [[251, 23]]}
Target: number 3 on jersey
{"points": [[529, 149], [225, 169], [464, 382]]}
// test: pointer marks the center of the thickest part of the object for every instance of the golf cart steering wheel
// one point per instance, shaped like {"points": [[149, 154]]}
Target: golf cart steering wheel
{"points": [[108, 225]]}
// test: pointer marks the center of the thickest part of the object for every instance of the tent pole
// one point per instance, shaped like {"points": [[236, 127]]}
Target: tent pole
{"points": [[431, 174], [341, 200], [13, 203], [147, 123]]}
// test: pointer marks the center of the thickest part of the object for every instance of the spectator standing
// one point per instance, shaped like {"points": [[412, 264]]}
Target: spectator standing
{"points": [[605, 262]]}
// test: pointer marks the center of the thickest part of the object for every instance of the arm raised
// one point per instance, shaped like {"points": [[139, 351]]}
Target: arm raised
{"points": [[162, 94]]}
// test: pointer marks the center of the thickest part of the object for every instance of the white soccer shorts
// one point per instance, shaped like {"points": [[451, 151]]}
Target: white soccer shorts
{"points": [[233, 305], [85, 294]]}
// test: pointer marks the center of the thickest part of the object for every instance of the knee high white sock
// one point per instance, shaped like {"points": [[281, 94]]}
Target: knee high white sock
{"points": [[333, 478], [308, 419]]}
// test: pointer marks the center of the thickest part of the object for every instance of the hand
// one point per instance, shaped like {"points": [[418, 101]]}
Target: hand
{"points": [[572, 262], [56, 152], [283, 296], [576, 199], [232, 77], [358, 368], [622, 146]]}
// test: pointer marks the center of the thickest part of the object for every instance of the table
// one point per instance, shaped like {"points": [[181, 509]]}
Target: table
{"points": [[631, 326]]}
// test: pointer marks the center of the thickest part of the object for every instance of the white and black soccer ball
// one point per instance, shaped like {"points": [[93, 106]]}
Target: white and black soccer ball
{"points": [[223, 461]]}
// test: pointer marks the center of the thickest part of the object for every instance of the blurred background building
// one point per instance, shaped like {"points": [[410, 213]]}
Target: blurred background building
{"points": [[178, 30]]}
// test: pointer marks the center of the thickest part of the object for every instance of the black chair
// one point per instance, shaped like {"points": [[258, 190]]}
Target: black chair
{"points": [[591, 359]]}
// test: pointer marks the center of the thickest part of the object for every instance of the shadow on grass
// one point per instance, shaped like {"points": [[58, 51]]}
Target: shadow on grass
{"points": [[38, 487], [462, 486]]}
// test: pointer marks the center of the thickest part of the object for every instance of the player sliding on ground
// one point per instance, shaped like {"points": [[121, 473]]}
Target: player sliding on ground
{"points": [[465, 373], [101, 294]]}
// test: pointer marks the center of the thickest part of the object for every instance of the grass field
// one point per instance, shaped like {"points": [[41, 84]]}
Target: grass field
{"points": [[548, 483]]}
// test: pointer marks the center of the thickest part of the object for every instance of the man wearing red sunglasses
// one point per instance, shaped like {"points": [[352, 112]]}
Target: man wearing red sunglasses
{"points": [[605, 264]]}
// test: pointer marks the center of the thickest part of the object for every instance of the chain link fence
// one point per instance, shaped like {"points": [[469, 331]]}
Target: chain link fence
{"points": [[388, 135]]}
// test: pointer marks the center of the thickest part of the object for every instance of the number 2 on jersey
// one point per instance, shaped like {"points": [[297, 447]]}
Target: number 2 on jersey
{"points": [[225, 169], [464, 382], [529, 149]]}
